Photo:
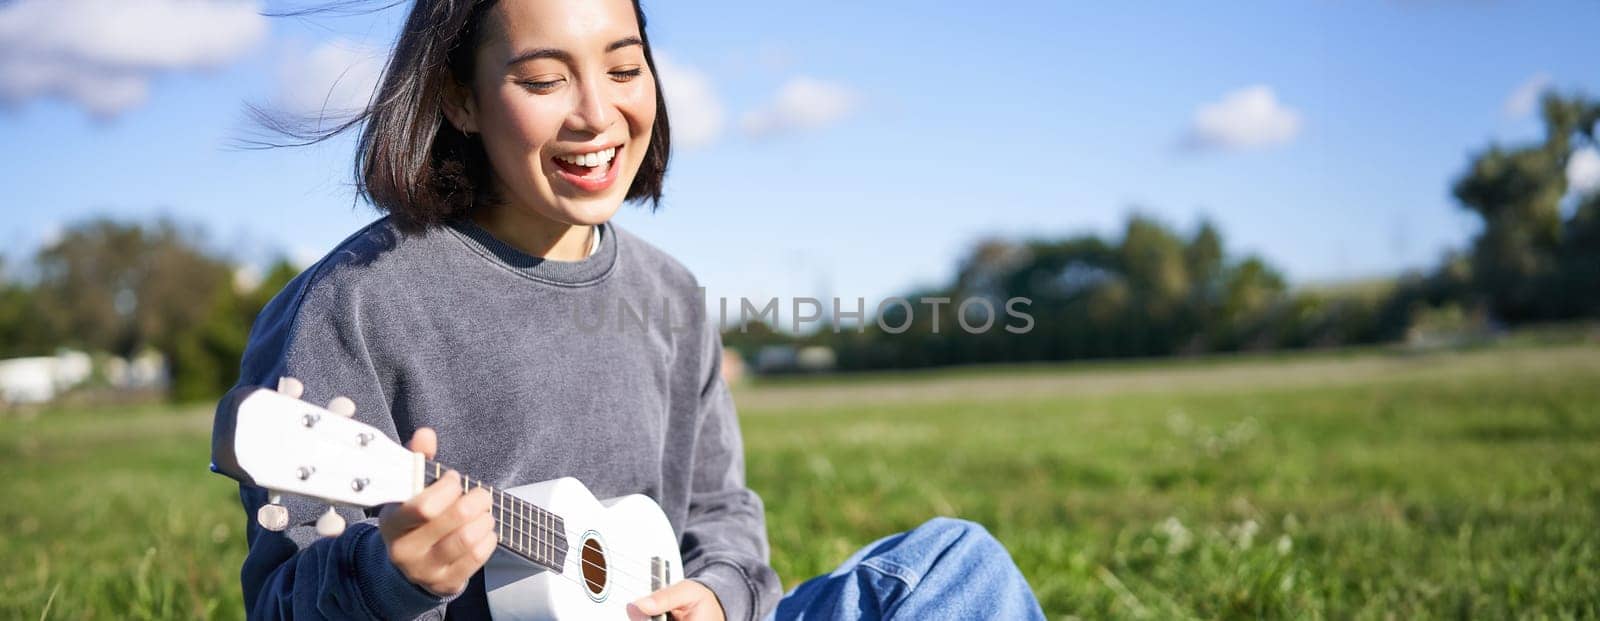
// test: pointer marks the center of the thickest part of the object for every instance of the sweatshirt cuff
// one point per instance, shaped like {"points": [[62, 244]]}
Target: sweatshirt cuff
{"points": [[384, 590], [733, 591]]}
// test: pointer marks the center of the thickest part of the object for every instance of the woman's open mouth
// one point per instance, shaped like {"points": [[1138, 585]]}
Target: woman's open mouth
{"points": [[589, 172]]}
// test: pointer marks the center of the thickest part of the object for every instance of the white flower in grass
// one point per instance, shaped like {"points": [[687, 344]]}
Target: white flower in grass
{"points": [[1178, 537], [1244, 534], [1284, 545]]}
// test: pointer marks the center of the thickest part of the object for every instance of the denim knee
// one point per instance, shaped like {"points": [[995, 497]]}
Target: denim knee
{"points": [[955, 530], [957, 540], [957, 526], [944, 568]]}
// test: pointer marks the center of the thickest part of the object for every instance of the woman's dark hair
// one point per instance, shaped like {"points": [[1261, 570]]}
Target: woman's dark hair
{"points": [[413, 163]]}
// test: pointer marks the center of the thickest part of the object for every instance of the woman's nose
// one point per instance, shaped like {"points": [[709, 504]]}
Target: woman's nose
{"points": [[594, 110]]}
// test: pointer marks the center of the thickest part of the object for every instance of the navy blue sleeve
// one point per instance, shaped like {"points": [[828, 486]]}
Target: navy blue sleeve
{"points": [[296, 574]]}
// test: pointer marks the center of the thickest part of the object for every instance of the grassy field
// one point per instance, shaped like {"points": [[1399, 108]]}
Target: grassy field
{"points": [[1341, 485]]}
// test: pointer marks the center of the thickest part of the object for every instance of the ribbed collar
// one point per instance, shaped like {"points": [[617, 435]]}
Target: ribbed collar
{"points": [[586, 271]]}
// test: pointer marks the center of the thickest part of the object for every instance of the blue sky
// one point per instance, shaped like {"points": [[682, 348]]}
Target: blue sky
{"points": [[912, 129]]}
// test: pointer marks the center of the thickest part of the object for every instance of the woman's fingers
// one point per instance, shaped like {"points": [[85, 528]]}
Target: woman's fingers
{"points": [[424, 507], [439, 519], [469, 547], [685, 596], [424, 441], [463, 510], [460, 542], [441, 537]]}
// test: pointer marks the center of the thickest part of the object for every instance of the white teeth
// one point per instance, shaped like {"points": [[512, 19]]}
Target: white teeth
{"points": [[590, 160]]}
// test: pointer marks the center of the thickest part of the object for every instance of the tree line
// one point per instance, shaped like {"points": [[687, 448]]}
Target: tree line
{"points": [[126, 287], [1156, 291]]}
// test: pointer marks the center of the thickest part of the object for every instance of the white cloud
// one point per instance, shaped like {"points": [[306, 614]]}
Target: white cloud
{"points": [[101, 54], [693, 108], [334, 79], [1522, 101], [1583, 170], [802, 103], [1248, 118]]}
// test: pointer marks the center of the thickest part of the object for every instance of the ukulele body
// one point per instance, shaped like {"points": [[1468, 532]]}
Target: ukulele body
{"points": [[619, 550]]}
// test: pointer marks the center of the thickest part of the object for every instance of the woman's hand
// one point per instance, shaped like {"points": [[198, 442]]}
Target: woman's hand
{"points": [[440, 537], [687, 601]]}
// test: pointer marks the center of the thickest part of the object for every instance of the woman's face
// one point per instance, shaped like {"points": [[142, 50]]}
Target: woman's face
{"points": [[556, 80]]}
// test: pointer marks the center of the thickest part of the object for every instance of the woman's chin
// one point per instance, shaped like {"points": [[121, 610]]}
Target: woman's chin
{"points": [[587, 212]]}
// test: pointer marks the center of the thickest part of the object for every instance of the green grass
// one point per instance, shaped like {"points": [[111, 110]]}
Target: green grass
{"points": [[1367, 485]]}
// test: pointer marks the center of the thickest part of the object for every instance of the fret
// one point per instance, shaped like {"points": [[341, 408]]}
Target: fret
{"points": [[520, 535], [510, 513], [522, 532], [527, 528]]}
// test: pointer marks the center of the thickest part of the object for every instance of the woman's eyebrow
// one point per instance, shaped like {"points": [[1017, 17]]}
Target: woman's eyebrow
{"points": [[562, 55]]}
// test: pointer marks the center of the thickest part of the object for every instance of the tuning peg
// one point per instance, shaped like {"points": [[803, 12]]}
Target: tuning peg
{"points": [[273, 516], [330, 524], [342, 406], [291, 386]]}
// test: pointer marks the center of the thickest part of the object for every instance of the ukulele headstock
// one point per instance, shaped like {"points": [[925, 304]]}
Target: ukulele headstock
{"points": [[272, 439]]}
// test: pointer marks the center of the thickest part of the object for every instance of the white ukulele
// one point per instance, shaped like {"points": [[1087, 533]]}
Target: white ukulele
{"points": [[563, 554]]}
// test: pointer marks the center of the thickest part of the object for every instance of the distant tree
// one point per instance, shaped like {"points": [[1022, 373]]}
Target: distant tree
{"points": [[1517, 259], [23, 330], [1153, 264], [122, 286], [205, 356], [1580, 258], [1204, 254]]}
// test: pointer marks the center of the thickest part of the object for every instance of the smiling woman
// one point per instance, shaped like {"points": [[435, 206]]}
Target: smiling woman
{"points": [[521, 93], [502, 139]]}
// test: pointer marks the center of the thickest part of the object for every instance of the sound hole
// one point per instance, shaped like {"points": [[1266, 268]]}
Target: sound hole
{"points": [[594, 567]]}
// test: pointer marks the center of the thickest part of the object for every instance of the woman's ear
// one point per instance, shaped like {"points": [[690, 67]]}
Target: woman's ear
{"points": [[460, 107]]}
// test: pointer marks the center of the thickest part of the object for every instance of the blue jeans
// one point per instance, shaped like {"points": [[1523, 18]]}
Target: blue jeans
{"points": [[944, 569]]}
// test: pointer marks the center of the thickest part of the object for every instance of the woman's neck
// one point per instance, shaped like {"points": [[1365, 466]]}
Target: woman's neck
{"points": [[535, 234]]}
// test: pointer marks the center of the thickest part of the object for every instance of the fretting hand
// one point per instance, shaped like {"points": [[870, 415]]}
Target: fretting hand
{"points": [[440, 537]]}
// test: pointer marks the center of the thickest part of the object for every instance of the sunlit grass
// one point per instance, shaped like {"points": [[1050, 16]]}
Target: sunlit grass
{"points": [[1444, 485]]}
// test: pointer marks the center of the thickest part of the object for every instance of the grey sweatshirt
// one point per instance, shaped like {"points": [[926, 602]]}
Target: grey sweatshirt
{"points": [[604, 369]]}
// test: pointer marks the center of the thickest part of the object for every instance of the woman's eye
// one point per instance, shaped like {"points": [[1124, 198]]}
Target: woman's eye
{"points": [[628, 74], [540, 85]]}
